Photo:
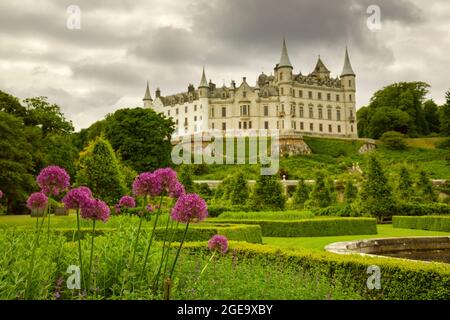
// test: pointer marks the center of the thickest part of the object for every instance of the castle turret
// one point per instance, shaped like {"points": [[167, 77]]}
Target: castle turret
{"points": [[148, 101], [348, 84], [284, 81], [204, 102]]}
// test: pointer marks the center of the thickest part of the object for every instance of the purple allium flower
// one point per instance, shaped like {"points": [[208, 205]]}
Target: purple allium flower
{"points": [[189, 208], [127, 202], [149, 208], [52, 180], [76, 198], [37, 200], [117, 209], [218, 243], [177, 190], [146, 184], [95, 209]]}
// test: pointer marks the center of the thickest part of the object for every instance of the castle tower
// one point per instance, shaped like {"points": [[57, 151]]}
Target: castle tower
{"points": [[204, 102], [348, 83], [321, 71], [148, 101], [284, 81]]}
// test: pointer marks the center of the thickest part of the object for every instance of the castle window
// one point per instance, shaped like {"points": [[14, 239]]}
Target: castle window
{"points": [[282, 107], [293, 93], [350, 97], [301, 126], [351, 128], [195, 107], [320, 127], [310, 94], [328, 96], [176, 111], [301, 112], [240, 125], [351, 113], [320, 113], [290, 91], [212, 125], [212, 112], [337, 97], [311, 113], [329, 113], [349, 83], [224, 95], [249, 124], [266, 94], [278, 124], [224, 126], [293, 110], [281, 76], [190, 98], [338, 115], [245, 110], [300, 93], [168, 113], [176, 122], [282, 124], [266, 111], [319, 95], [244, 94], [339, 129], [185, 109], [282, 91], [224, 112], [185, 122], [311, 126], [245, 125], [294, 125], [195, 118], [330, 128], [266, 125]]}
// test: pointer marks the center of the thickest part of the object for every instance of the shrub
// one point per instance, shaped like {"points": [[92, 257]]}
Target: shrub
{"points": [[351, 192], [268, 193], [301, 194], [425, 188], [311, 227], [338, 211], [239, 190], [249, 233], [421, 209], [405, 184], [394, 140], [185, 177], [268, 215], [401, 279], [424, 223], [204, 190], [444, 144], [321, 194]]}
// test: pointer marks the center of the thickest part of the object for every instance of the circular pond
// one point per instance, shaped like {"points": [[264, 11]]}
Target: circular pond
{"points": [[415, 248]]}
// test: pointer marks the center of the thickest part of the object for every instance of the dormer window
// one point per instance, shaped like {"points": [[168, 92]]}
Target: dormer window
{"points": [[244, 94]]}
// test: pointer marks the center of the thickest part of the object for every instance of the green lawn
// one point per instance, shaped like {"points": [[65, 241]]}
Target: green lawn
{"points": [[318, 243]]}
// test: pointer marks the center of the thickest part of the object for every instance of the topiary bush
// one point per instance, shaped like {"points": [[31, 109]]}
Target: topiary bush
{"points": [[441, 223], [394, 140], [268, 194], [318, 227], [421, 209]]}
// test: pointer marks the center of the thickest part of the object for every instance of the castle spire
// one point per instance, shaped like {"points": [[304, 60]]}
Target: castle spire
{"points": [[347, 70], [284, 60], [203, 82], [147, 96]]}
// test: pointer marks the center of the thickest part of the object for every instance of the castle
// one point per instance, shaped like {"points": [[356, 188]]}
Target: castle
{"points": [[296, 104]]}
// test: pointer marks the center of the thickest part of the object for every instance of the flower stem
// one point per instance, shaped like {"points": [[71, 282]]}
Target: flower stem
{"points": [[80, 259], [152, 236], [136, 242], [207, 264], [178, 252], [164, 255], [92, 253]]}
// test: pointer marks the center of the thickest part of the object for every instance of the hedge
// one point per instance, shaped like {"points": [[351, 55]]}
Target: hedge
{"points": [[267, 215], [338, 211], [317, 227], [400, 279], [434, 223], [249, 233]]}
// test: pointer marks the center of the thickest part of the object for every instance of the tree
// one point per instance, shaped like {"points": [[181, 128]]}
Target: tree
{"points": [[268, 193], [99, 170], [11, 105], [141, 136], [387, 119], [16, 164], [444, 115], [82, 138], [376, 194], [239, 191], [394, 140], [301, 194], [351, 192], [425, 188], [405, 185], [47, 116], [320, 196], [431, 111], [185, 177]]}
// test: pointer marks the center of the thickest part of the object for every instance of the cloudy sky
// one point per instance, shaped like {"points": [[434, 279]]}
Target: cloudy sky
{"points": [[105, 64]]}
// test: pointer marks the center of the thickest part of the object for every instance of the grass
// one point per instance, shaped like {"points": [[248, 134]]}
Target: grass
{"points": [[336, 156], [318, 243]]}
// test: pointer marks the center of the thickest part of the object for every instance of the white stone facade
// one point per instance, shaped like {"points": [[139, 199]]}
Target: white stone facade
{"points": [[314, 104]]}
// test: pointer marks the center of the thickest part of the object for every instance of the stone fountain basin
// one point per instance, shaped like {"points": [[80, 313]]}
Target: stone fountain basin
{"points": [[394, 247]]}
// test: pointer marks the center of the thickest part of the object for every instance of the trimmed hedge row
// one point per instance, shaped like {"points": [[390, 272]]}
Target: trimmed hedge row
{"points": [[421, 209], [249, 233], [317, 227], [400, 279], [267, 215], [434, 223], [238, 232]]}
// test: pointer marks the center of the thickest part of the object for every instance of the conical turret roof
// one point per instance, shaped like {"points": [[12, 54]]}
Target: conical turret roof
{"points": [[347, 70], [147, 95], [284, 60], [203, 82]]}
